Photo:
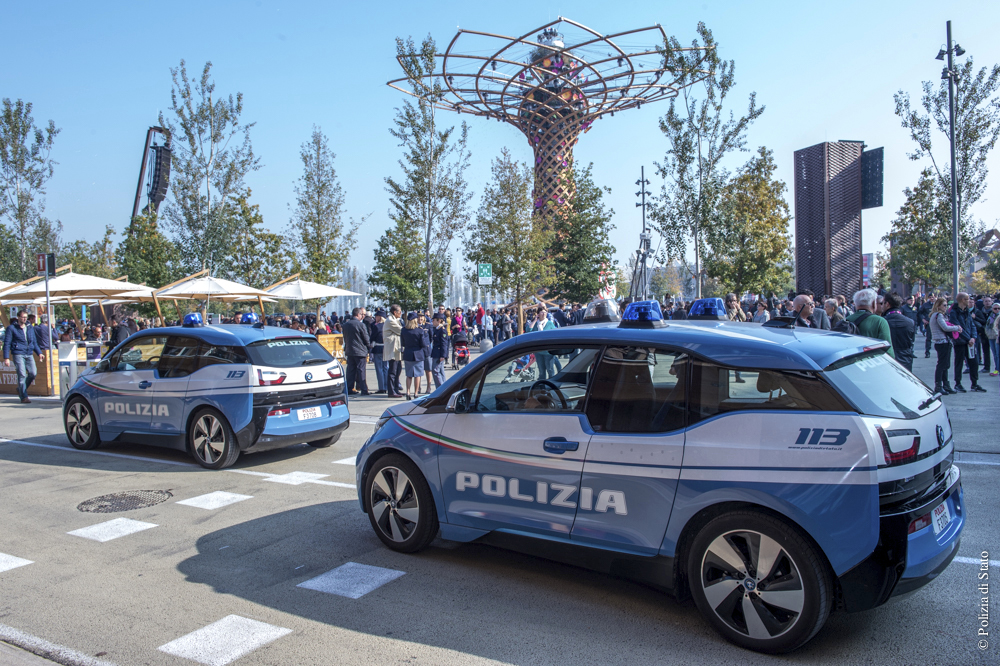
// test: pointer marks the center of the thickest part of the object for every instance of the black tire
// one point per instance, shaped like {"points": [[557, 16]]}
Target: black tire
{"points": [[81, 425], [211, 441], [775, 611], [401, 511], [323, 443]]}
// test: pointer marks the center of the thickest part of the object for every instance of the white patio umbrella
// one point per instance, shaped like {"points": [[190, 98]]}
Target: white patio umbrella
{"points": [[303, 290], [73, 286], [206, 288]]}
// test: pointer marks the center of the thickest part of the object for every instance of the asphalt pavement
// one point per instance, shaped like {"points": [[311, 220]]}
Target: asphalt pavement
{"points": [[273, 562]]}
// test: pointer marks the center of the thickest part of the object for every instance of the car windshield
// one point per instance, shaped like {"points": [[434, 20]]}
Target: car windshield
{"points": [[288, 352], [879, 386]]}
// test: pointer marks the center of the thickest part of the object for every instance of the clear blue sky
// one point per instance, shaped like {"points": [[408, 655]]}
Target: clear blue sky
{"points": [[100, 70]]}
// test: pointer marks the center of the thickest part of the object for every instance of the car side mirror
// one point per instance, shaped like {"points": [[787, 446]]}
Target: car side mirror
{"points": [[103, 366], [458, 403]]}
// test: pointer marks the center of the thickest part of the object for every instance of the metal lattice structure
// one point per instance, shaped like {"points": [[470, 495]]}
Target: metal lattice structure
{"points": [[828, 218], [553, 83]]}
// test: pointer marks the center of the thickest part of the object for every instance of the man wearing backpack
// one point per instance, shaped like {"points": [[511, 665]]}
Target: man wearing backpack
{"points": [[867, 322]]}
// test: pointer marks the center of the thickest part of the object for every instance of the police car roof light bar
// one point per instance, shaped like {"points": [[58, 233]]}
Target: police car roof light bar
{"points": [[642, 314], [603, 310], [708, 308], [192, 319]]}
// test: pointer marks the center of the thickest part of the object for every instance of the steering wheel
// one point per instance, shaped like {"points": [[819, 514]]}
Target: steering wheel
{"points": [[559, 393]]}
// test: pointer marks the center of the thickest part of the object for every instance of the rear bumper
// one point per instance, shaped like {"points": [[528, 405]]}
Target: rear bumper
{"points": [[902, 562], [268, 442]]}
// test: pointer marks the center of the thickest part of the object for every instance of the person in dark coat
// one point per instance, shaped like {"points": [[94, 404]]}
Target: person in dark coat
{"points": [[415, 341], [378, 347], [119, 332], [901, 330], [357, 344], [439, 349], [960, 315], [819, 318]]}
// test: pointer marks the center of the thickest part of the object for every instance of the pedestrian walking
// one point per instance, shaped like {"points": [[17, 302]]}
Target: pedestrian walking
{"points": [[393, 351], [902, 330], [414, 341], [21, 347], [357, 344], [965, 345], [439, 349]]}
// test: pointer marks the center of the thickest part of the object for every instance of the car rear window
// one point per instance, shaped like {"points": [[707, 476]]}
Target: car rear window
{"points": [[879, 386], [288, 352]]}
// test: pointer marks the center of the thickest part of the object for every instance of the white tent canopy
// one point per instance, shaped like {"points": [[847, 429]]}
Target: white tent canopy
{"points": [[302, 290], [207, 288], [73, 285]]}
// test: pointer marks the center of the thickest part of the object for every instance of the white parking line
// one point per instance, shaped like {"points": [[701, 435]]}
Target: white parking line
{"points": [[973, 560], [215, 500], [295, 478], [346, 461], [112, 529], [36, 645], [8, 562], [224, 641], [352, 580]]}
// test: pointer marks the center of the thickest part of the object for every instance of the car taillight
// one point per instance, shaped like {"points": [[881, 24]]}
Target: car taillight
{"points": [[281, 411], [270, 377], [336, 403], [899, 457], [335, 372], [919, 524]]}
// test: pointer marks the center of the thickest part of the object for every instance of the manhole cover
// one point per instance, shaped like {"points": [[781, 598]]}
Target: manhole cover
{"points": [[125, 501]]}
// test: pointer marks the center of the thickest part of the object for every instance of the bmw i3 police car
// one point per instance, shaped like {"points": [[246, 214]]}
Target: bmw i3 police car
{"points": [[773, 473], [215, 391]]}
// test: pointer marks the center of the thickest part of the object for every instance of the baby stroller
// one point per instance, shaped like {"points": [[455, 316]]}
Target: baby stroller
{"points": [[523, 369], [461, 354]]}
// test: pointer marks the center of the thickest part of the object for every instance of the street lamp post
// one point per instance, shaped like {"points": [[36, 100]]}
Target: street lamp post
{"points": [[951, 75]]}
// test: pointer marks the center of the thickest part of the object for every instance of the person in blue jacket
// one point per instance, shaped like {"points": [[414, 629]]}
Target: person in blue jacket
{"points": [[20, 343]]}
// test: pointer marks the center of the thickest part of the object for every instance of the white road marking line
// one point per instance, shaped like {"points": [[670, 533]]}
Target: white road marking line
{"points": [[96, 453], [224, 641], [353, 420], [346, 461], [43, 648], [973, 560], [964, 461], [295, 478], [112, 529], [352, 580], [8, 562], [215, 500]]}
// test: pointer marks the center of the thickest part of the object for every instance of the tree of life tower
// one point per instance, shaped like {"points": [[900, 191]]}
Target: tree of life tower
{"points": [[553, 83]]}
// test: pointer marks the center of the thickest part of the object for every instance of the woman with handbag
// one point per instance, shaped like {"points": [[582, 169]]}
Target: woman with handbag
{"points": [[943, 334]]}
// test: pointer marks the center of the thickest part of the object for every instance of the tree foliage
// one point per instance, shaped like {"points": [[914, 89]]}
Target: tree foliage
{"points": [[212, 154], [97, 258], [580, 245], [433, 191], [258, 257], [701, 132], [146, 255], [507, 235], [920, 240], [748, 246], [323, 243], [398, 275], [25, 166], [977, 128], [10, 265]]}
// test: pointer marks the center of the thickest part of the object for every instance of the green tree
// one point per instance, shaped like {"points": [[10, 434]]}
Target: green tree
{"points": [[25, 167], [398, 275], [580, 246], [701, 132], [96, 258], [45, 236], [505, 233], [10, 266], [748, 245], [433, 190], [212, 155], [258, 257], [323, 244], [146, 255]]}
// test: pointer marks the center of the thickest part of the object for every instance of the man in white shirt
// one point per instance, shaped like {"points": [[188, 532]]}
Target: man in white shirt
{"points": [[488, 327]]}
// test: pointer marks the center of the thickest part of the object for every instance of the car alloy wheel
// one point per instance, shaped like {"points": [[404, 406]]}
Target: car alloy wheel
{"points": [[752, 584], [394, 504], [209, 439], [81, 427]]}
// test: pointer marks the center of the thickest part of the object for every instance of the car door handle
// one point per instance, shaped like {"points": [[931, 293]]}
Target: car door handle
{"points": [[560, 445], [145, 384]]}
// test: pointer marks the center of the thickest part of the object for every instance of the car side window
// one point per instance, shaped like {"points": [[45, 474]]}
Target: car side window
{"points": [[541, 380], [718, 390], [639, 390], [180, 357], [141, 354], [220, 354]]}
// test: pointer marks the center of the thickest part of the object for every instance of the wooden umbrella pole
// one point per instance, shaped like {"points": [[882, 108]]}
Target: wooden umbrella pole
{"points": [[281, 282], [177, 307], [3, 316], [72, 311], [159, 314], [100, 306], [261, 302]]}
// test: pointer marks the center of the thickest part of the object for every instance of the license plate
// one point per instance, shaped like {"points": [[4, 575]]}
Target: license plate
{"points": [[314, 413], [941, 516]]}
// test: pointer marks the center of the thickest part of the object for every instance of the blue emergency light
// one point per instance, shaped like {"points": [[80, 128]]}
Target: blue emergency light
{"points": [[642, 314], [708, 308], [192, 319], [249, 318]]}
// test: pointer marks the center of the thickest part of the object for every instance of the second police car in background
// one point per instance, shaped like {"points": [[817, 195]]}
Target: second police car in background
{"points": [[774, 474], [215, 391]]}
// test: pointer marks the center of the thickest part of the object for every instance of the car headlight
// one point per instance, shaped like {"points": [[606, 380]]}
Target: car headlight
{"points": [[382, 420]]}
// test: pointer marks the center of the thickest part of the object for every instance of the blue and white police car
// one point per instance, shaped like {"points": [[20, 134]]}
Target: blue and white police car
{"points": [[774, 474], [215, 391]]}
